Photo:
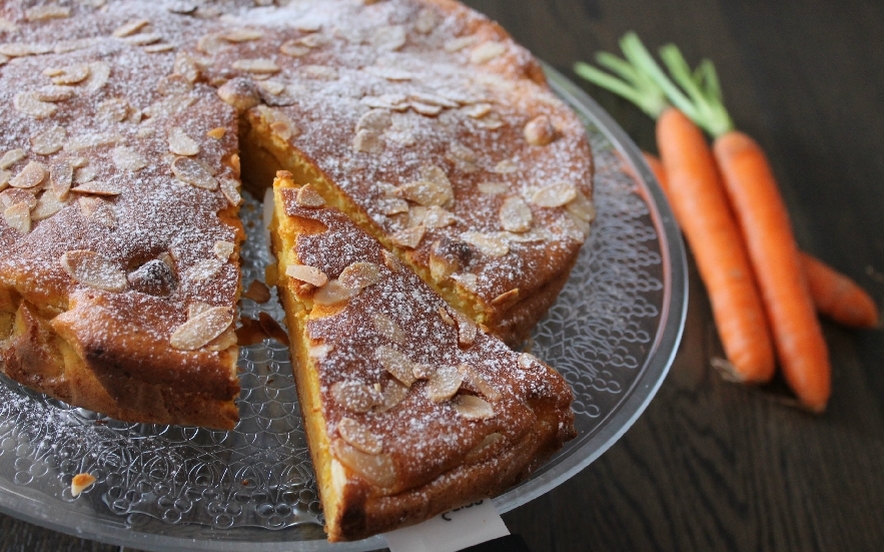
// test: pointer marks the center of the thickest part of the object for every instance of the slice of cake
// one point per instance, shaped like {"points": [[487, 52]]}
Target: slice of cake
{"points": [[410, 408]]}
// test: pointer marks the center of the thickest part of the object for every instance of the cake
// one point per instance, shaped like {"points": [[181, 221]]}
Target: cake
{"points": [[129, 127]]}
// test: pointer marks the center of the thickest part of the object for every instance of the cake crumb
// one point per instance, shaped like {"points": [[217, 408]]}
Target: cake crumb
{"points": [[81, 482]]}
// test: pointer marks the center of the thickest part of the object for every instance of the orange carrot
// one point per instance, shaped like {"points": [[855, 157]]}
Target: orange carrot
{"points": [[766, 228], [834, 294], [837, 296], [701, 206]]}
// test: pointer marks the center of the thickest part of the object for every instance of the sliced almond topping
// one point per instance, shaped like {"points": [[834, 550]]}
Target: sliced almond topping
{"points": [[471, 407], [457, 44], [97, 209], [527, 360], [479, 110], [5, 177], [539, 131], [242, 35], [355, 396], [333, 293], [507, 166], [485, 52], [29, 103], [80, 483], [217, 133], [172, 85], [425, 192], [515, 215], [294, 48], [83, 175], [130, 28], [223, 249], [31, 176], [389, 37], [309, 197], [194, 173], [201, 329], [182, 144], [196, 308], [92, 269], [257, 65], [114, 109], [49, 11], [490, 244], [409, 237], [48, 141], [367, 141], [127, 159], [12, 157], [388, 328], [492, 188], [582, 207], [47, 205], [431, 217], [478, 383], [392, 394], [467, 331], [425, 109], [142, 39], [69, 74], [187, 67], [272, 87], [506, 297], [230, 189], [487, 447], [99, 74], [18, 216], [555, 195], [307, 274], [427, 20], [204, 270], [398, 364], [92, 140], [443, 383], [359, 436], [96, 187], [359, 275], [61, 174], [376, 469], [375, 120], [160, 47], [391, 261], [14, 195], [392, 206], [446, 316]]}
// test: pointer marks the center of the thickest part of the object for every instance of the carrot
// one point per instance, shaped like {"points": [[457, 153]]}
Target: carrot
{"points": [[765, 225], [834, 294], [837, 296], [701, 206]]}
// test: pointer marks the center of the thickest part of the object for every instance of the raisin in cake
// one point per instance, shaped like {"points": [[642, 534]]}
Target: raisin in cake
{"points": [[410, 409]]}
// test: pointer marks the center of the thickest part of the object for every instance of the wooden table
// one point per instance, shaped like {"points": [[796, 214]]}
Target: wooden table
{"points": [[713, 465]]}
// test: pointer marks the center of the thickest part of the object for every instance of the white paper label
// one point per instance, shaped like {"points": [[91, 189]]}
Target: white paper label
{"points": [[452, 531]]}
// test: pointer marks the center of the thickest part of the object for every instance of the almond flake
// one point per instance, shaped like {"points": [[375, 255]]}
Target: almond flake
{"points": [[194, 173], [172, 85], [485, 449], [478, 382], [425, 109], [389, 37], [159, 47], [309, 197], [515, 215], [272, 87], [457, 44], [359, 436], [12, 157], [467, 331], [396, 363], [80, 483], [374, 120], [392, 206], [376, 469], [367, 141], [201, 329], [409, 237], [47, 205], [48, 141], [142, 39], [506, 297], [83, 175], [93, 140], [96, 187], [294, 48], [359, 275], [392, 394], [243, 35], [507, 166], [427, 192], [539, 131], [257, 65], [13, 196], [99, 74], [555, 195], [427, 20], [230, 189], [355, 396], [96, 209], [223, 249], [333, 293], [49, 11], [479, 110], [486, 51], [69, 74], [388, 328], [471, 407], [114, 109], [492, 188], [182, 144], [31, 176], [443, 383], [55, 93], [581, 207], [432, 217], [487, 243], [66, 46], [92, 269], [18, 49], [5, 177], [308, 274], [18, 216], [30, 103], [130, 28], [127, 159], [217, 133]]}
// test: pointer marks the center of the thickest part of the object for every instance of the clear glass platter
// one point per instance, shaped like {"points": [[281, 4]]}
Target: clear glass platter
{"points": [[612, 333]]}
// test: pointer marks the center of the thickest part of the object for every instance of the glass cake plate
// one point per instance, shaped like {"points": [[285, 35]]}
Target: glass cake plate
{"points": [[612, 333]]}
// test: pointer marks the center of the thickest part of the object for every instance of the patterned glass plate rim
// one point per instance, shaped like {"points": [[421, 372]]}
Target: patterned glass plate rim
{"points": [[613, 334]]}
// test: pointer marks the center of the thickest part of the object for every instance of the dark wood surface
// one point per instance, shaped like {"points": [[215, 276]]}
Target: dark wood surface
{"points": [[713, 465]]}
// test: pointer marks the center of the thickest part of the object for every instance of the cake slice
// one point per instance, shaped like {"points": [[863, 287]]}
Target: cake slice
{"points": [[410, 408]]}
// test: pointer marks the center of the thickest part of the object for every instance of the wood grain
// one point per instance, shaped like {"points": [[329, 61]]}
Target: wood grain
{"points": [[713, 465]]}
